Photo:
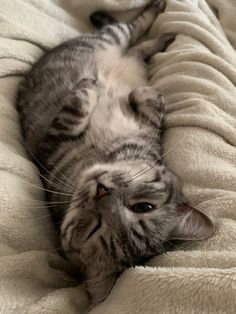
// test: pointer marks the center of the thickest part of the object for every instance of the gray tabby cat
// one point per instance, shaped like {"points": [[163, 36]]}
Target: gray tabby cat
{"points": [[93, 124]]}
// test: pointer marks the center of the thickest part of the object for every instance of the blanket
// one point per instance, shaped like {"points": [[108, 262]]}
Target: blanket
{"points": [[197, 76]]}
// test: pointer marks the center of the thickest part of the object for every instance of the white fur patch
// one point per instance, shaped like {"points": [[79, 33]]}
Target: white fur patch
{"points": [[119, 75]]}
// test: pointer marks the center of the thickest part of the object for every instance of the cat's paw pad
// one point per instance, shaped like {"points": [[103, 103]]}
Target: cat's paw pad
{"points": [[147, 96]]}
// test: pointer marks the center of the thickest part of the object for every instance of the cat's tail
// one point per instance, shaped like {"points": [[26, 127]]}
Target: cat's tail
{"points": [[100, 19]]}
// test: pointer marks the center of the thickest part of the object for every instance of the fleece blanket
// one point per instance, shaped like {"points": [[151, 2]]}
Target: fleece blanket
{"points": [[197, 76]]}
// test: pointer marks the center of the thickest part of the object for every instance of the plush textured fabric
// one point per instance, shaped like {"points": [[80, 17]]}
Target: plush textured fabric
{"points": [[197, 76]]}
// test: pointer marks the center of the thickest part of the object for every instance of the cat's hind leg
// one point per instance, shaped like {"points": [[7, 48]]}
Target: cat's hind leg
{"points": [[126, 35], [149, 47], [144, 21], [73, 118]]}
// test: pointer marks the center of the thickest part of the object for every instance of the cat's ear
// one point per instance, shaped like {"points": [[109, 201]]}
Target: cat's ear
{"points": [[99, 287], [193, 224]]}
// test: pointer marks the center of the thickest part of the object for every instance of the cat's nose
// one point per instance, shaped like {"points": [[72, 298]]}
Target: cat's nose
{"points": [[105, 197], [102, 191]]}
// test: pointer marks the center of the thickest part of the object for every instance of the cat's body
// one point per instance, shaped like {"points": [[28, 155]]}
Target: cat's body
{"points": [[95, 128]]}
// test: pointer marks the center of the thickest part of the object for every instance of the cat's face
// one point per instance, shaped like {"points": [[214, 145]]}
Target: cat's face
{"points": [[121, 214], [122, 211]]}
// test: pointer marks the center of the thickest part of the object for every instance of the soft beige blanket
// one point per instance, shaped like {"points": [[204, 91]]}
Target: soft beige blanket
{"points": [[197, 76]]}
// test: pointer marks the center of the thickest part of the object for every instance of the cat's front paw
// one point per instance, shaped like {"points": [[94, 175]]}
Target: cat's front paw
{"points": [[147, 99]]}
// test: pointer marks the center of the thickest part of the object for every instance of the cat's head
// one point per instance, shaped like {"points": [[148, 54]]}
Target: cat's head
{"points": [[122, 214]]}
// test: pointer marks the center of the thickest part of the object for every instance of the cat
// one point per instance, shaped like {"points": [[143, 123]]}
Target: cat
{"points": [[93, 123]]}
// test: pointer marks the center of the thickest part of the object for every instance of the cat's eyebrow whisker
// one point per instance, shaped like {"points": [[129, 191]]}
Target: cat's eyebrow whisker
{"points": [[56, 249], [144, 171], [148, 122], [154, 133]]}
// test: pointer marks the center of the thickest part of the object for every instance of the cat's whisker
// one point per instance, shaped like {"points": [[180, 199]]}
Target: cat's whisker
{"points": [[146, 169], [42, 204], [152, 138], [149, 143], [55, 250], [45, 206], [140, 140], [60, 188], [47, 190], [43, 167], [66, 185]]}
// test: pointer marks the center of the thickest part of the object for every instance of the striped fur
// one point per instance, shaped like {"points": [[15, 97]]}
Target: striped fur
{"points": [[94, 127]]}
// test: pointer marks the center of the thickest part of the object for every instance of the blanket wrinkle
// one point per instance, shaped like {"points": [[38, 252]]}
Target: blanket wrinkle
{"points": [[197, 76]]}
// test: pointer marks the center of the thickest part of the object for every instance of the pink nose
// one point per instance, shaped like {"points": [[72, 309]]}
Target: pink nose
{"points": [[102, 191]]}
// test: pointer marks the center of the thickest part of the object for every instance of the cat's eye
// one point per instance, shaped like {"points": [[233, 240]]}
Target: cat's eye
{"points": [[142, 207]]}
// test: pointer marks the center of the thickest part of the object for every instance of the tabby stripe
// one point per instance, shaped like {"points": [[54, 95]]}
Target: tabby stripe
{"points": [[143, 226], [73, 111], [113, 249], [104, 39], [64, 232], [58, 157], [111, 31], [59, 126], [85, 44], [103, 243], [136, 234], [123, 149], [134, 151], [54, 142], [97, 227], [74, 46], [123, 28], [171, 194], [71, 239], [130, 248], [68, 122], [67, 167]]}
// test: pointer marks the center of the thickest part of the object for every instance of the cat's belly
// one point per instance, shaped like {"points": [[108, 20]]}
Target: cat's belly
{"points": [[120, 74]]}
